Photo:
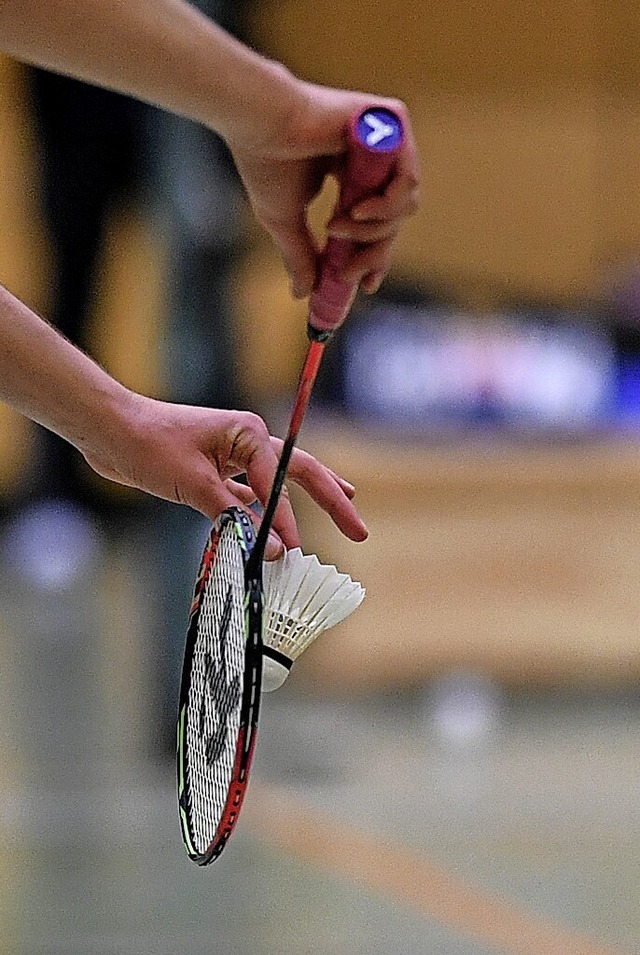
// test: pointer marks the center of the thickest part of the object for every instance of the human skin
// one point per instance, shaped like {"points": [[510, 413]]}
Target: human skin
{"points": [[286, 136]]}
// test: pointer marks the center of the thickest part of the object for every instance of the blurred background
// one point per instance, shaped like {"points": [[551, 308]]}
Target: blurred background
{"points": [[455, 769]]}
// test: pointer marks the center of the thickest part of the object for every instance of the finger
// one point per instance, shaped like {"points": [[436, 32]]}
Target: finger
{"points": [[372, 260], [242, 492], [202, 489], [321, 485], [284, 521], [261, 470], [248, 498], [371, 283], [253, 453], [274, 548], [346, 486], [246, 495], [208, 494], [402, 195], [363, 232], [399, 201], [300, 256]]}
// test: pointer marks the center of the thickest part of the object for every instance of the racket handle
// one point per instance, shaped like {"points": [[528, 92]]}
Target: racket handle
{"points": [[375, 138]]}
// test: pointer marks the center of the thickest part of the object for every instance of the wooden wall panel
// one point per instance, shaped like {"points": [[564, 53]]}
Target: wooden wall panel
{"points": [[411, 47], [616, 195], [509, 200], [617, 34], [520, 562]]}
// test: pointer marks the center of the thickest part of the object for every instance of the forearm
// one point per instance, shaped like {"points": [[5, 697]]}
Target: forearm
{"points": [[163, 51], [46, 378]]}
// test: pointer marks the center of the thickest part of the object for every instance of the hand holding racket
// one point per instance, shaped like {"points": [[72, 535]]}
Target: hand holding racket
{"points": [[220, 691]]}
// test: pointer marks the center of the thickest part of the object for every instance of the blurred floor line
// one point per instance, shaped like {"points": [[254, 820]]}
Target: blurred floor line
{"points": [[297, 828]]}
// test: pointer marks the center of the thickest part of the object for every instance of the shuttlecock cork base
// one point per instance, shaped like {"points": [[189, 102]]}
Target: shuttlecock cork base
{"points": [[303, 598]]}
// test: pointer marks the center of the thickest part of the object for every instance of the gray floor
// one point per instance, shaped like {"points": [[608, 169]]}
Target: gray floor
{"points": [[466, 821]]}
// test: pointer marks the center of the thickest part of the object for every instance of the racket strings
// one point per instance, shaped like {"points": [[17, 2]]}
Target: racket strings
{"points": [[213, 708]]}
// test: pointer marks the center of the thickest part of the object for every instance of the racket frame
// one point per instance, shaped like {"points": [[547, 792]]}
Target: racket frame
{"points": [[251, 689], [368, 171]]}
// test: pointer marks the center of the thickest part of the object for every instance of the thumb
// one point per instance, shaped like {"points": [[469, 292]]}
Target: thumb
{"points": [[204, 491]]}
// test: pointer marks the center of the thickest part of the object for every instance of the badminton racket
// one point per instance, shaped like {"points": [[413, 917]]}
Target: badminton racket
{"points": [[220, 689]]}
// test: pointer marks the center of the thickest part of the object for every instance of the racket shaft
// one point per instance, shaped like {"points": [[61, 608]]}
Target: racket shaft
{"points": [[303, 394], [375, 136]]}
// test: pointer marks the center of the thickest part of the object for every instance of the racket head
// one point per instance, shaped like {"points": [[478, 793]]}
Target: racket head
{"points": [[220, 689]]}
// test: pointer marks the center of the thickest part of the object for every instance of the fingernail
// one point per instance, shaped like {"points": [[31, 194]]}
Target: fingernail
{"points": [[274, 548]]}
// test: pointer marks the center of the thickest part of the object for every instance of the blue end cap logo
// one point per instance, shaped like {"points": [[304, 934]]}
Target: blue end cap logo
{"points": [[379, 129]]}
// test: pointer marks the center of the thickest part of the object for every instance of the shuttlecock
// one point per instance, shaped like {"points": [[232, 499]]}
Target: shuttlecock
{"points": [[303, 598]]}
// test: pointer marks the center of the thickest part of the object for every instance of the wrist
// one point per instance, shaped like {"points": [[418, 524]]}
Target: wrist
{"points": [[103, 413], [260, 109], [95, 413]]}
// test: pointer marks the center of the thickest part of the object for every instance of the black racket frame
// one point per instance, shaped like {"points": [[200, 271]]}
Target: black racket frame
{"points": [[251, 690]]}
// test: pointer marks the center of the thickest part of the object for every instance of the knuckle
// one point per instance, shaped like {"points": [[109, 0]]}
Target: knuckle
{"points": [[253, 423]]}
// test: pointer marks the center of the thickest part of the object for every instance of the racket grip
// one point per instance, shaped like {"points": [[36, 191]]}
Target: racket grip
{"points": [[375, 138]]}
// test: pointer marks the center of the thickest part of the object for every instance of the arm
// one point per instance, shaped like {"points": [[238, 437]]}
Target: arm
{"points": [[285, 134], [163, 51], [184, 454]]}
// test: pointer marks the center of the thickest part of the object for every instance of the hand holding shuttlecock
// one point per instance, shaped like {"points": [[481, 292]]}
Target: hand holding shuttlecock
{"points": [[303, 598]]}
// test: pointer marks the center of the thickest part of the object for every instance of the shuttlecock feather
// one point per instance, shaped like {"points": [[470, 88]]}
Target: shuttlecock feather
{"points": [[303, 598]]}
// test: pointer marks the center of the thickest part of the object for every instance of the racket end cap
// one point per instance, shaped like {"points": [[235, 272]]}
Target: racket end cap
{"points": [[378, 129]]}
